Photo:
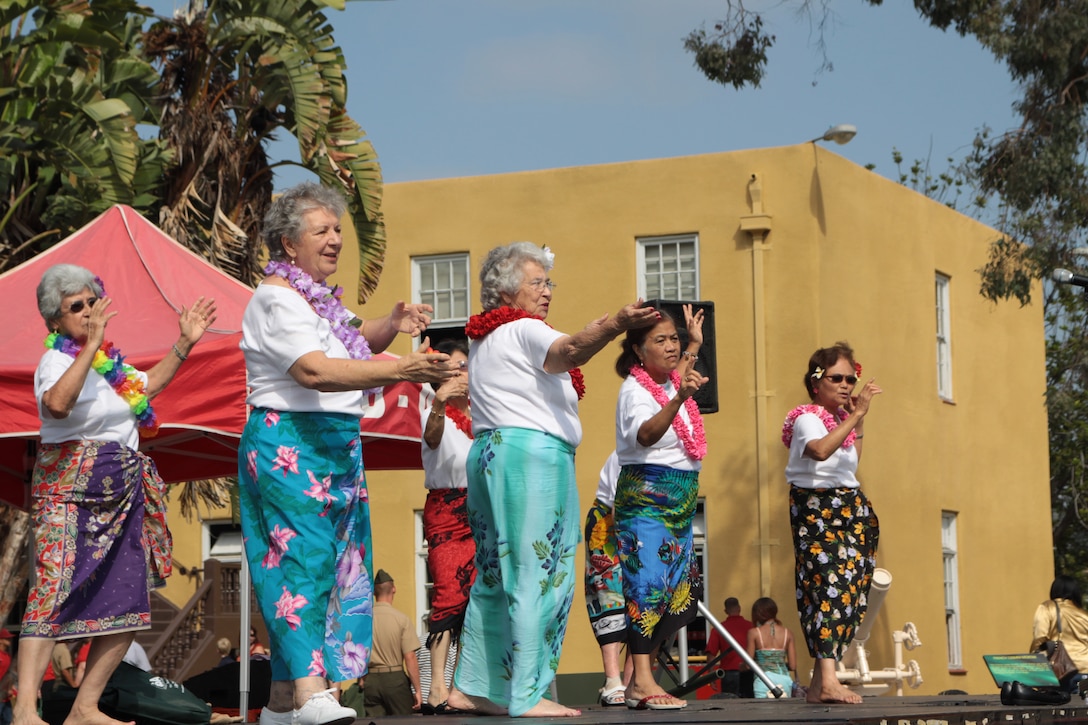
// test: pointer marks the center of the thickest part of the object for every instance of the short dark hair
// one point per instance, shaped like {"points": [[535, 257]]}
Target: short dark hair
{"points": [[732, 603], [1066, 587], [764, 609], [825, 358], [451, 345]]}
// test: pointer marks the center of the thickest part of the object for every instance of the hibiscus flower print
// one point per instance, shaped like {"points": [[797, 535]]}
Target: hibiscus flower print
{"points": [[271, 418], [353, 657], [288, 605], [320, 489], [317, 664], [287, 459], [251, 465], [277, 546]]}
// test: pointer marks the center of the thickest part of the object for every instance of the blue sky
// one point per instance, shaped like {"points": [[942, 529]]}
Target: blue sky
{"points": [[450, 88]]}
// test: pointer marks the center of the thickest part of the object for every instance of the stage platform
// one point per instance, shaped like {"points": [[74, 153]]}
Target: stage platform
{"points": [[943, 710]]}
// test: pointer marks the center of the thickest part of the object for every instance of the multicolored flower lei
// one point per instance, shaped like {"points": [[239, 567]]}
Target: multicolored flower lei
{"points": [[122, 377], [482, 325], [462, 421], [831, 422], [694, 438], [325, 301]]}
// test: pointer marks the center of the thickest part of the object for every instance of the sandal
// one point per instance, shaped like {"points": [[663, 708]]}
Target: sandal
{"points": [[612, 697]]}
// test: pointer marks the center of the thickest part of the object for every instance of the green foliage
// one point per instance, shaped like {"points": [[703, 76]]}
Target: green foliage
{"points": [[733, 56]]}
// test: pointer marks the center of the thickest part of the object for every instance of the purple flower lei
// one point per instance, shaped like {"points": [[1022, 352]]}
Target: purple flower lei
{"points": [[326, 303]]}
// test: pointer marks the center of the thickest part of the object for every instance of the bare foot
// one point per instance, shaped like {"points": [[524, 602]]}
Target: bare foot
{"points": [[661, 697], [437, 696], [471, 703], [832, 693], [547, 708], [93, 716], [27, 718]]}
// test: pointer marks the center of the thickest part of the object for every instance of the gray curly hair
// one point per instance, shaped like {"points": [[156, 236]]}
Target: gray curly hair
{"points": [[60, 281], [284, 217], [502, 271]]}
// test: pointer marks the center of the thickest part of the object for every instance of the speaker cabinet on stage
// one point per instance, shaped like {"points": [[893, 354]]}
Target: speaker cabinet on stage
{"points": [[707, 364]]}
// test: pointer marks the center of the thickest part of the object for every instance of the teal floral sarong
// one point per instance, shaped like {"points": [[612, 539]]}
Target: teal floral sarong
{"points": [[655, 506], [523, 511], [306, 525]]}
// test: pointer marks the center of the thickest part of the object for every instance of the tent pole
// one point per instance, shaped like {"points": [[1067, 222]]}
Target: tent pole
{"points": [[243, 641]]}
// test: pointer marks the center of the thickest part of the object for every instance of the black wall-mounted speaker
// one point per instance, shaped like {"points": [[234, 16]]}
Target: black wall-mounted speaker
{"points": [[707, 364]]}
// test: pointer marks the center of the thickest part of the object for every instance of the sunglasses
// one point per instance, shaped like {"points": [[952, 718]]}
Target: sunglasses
{"points": [[78, 305], [836, 379]]}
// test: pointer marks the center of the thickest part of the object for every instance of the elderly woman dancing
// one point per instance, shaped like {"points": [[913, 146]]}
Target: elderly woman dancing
{"points": [[99, 515], [660, 445], [522, 495], [835, 530], [305, 515]]}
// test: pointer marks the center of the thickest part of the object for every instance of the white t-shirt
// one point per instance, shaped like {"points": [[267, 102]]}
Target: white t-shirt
{"points": [[606, 484], [509, 388], [278, 328], [804, 472], [100, 414], [634, 407], [444, 467]]}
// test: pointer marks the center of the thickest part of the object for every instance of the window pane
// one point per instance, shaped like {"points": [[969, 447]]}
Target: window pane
{"points": [[442, 279], [460, 303]]}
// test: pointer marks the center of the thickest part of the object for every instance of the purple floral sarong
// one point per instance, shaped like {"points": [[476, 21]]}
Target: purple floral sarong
{"points": [[100, 540]]}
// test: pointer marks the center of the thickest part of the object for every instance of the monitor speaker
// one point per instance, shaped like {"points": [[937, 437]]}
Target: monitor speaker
{"points": [[707, 364]]}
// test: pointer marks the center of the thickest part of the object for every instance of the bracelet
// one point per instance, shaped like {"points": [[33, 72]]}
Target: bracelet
{"points": [[177, 352], [438, 414], [685, 353]]}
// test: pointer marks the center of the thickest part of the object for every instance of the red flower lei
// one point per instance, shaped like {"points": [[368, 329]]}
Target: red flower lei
{"points": [[694, 438], [831, 422], [459, 419], [482, 325]]}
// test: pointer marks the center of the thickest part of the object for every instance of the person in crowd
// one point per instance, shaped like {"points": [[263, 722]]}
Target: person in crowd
{"points": [[256, 649], [604, 586], [770, 644], [97, 502], [80, 662], [524, 389], [1066, 602], [392, 684], [137, 656], [304, 508], [660, 444], [835, 529], [739, 678], [226, 657], [451, 551]]}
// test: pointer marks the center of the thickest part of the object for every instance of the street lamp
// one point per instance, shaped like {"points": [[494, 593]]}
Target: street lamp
{"points": [[840, 134]]}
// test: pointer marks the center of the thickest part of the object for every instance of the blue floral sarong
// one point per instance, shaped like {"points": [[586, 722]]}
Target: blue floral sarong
{"points": [[661, 581], [523, 510], [306, 524]]}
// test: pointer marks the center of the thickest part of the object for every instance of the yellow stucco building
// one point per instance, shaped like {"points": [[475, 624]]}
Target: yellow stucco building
{"points": [[797, 248]]}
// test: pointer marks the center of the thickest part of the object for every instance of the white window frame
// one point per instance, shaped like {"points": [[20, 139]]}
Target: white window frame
{"points": [[942, 287], [231, 541], [950, 562], [644, 273], [418, 264]]}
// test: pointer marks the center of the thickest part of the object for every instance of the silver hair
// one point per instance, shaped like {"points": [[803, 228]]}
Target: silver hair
{"points": [[284, 217], [60, 281], [502, 271]]}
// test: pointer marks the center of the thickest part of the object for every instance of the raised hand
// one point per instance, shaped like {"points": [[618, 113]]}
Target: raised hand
{"points": [[635, 315], [694, 323], [426, 367], [194, 321]]}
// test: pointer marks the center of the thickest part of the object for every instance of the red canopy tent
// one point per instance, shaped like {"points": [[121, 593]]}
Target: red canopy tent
{"points": [[392, 427], [150, 277]]}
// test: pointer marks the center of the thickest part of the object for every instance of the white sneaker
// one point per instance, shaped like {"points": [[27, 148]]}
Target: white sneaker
{"points": [[321, 709], [275, 718]]}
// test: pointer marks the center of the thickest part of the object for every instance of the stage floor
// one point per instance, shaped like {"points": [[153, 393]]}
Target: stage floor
{"points": [[944, 710]]}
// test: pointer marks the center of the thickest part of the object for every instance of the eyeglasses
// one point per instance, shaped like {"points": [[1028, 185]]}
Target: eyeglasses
{"points": [[542, 283], [78, 305], [836, 379]]}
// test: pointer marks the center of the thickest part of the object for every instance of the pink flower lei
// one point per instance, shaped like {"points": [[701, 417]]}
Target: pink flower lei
{"points": [[831, 422], [694, 438], [325, 301]]}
